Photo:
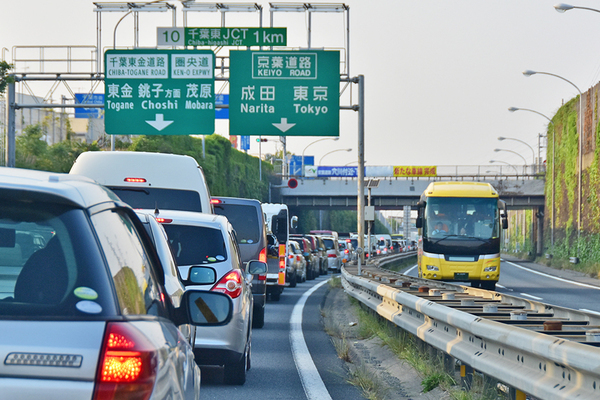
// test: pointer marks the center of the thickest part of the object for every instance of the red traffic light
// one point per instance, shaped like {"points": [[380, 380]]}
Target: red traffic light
{"points": [[293, 183]]}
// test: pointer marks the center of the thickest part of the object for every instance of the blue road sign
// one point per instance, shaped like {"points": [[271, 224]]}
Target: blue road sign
{"points": [[222, 113], [296, 164], [88, 98], [245, 143]]}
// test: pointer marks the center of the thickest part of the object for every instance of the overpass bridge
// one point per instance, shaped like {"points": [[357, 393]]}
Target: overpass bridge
{"points": [[519, 191]]}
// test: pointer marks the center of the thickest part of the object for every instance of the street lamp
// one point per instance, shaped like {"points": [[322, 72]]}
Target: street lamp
{"points": [[562, 7], [580, 131], [514, 152], [501, 138], [332, 151], [328, 138], [504, 162], [513, 109]]}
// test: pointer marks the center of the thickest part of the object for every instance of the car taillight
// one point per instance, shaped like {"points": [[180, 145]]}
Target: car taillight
{"points": [[128, 363], [263, 255], [262, 277], [291, 256], [135, 180], [332, 255], [230, 284], [346, 251]]}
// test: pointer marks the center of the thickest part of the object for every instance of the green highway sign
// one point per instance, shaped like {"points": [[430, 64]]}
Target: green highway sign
{"points": [[159, 92], [222, 36], [284, 93]]}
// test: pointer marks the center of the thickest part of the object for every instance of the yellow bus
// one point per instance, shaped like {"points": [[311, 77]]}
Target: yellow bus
{"points": [[459, 233]]}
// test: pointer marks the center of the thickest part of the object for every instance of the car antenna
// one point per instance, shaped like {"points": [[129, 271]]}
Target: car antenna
{"points": [[156, 212]]}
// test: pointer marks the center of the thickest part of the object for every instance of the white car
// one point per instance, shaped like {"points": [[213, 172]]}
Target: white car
{"points": [[208, 257], [334, 259]]}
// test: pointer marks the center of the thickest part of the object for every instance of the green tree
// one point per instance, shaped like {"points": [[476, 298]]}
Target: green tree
{"points": [[4, 78]]}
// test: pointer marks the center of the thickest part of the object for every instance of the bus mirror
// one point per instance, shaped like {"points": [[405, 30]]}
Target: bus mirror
{"points": [[504, 222], [419, 223]]}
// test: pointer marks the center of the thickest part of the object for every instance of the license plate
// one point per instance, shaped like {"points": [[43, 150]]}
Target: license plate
{"points": [[461, 276]]}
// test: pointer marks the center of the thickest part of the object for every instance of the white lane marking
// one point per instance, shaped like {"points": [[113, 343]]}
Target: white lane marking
{"points": [[309, 375], [500, 286], [554, 277], [531, 297], [589, 311], [411, 268]]}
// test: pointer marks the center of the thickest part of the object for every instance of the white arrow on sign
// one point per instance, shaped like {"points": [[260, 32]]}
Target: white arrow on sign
{"points": [[283, 126], [159, 123]]}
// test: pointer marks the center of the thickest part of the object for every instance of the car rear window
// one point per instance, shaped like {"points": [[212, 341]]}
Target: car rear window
{"points": [[50, 264], [329, 245], [163, 199], [244, 220], [195, 245]]}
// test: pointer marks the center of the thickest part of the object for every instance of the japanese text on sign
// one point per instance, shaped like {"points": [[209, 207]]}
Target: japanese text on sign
{"points": [[284, 66], [415, 171]]}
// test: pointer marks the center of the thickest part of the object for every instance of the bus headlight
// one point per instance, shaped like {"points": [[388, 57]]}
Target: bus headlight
{"points": [[432, 268], [490, 269]]}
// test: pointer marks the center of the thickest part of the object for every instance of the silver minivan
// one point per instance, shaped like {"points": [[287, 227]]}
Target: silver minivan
{"points": [[84, 309], [208, 257]]}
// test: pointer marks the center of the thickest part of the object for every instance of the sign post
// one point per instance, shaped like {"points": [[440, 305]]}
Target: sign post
{"points": [[159, 92], [284, 93]]}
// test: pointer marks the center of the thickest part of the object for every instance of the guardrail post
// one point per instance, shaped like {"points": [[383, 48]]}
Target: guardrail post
{"points": [[449, 364], [516, 394], [466, 376]]}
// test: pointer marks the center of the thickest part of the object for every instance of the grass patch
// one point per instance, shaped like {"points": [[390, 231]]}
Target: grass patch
{"points": [[431, 369], [335, 282], [368, 382]]}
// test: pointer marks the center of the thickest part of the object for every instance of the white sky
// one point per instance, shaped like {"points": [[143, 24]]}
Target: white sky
{"points": [[440, 75]]}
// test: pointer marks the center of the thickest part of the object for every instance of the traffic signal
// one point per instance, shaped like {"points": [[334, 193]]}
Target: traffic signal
{"points": [[261, 140]]}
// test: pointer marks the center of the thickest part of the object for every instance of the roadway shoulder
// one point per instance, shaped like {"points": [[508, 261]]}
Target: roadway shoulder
{"points": [[569, 274], [400, 379]]}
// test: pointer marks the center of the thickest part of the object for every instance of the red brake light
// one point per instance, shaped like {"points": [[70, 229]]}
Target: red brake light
{"points": [[215, 201], [346, 251], [291, 256], [347, 240], [135, 180], [332, 255], [263, 255], [164, 220], [230, 284], [127, 364]]}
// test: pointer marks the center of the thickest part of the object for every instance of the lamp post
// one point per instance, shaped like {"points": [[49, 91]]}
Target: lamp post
{"points": [[332, 151], [504, 162], [562, 7], [334, 138], [514, 152], [580, 131], [501, 138], [513, 109]]}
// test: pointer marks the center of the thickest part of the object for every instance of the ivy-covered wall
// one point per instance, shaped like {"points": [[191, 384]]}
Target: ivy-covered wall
{"points": [[562, 175]]}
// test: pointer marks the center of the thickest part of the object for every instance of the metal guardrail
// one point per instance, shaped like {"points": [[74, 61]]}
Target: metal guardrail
{"points": [[498, 335]]}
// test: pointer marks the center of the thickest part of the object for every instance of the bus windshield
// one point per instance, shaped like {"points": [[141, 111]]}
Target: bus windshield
{"points": [[454, 218]]}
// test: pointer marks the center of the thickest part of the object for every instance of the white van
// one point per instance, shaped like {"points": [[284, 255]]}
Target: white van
{"points": [[148, 180]]}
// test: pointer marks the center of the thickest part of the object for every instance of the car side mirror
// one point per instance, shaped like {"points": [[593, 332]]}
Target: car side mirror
{"points": [[256, 267], [203, 308]]}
